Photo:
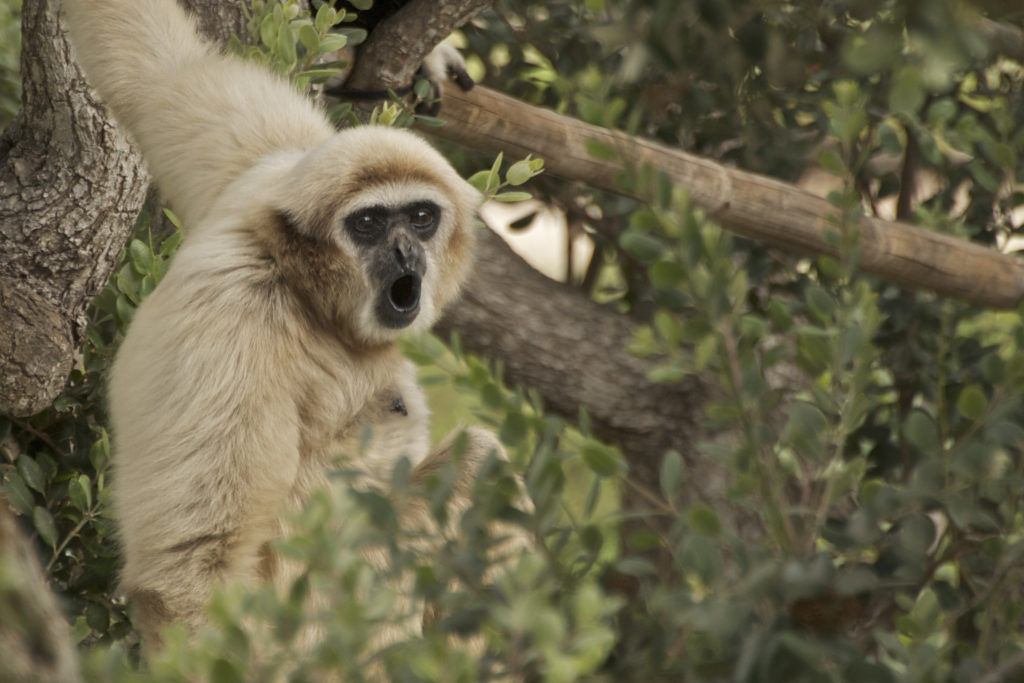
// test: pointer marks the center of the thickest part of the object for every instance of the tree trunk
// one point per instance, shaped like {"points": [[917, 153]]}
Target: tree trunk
{"points": [[70, 189], [34, 640]]}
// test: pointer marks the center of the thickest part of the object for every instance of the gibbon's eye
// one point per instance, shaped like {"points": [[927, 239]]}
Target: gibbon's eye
{"points": [[367, 224], [423, 218]]}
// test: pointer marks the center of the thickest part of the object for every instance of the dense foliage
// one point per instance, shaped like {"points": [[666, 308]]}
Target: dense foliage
{"points": [[869, 438]]}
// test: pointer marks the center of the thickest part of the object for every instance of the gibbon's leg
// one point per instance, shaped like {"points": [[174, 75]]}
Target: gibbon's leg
{"points": [[199, 117]]}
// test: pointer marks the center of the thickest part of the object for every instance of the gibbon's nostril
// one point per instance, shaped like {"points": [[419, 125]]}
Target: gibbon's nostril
{"points": [[404, 293]]}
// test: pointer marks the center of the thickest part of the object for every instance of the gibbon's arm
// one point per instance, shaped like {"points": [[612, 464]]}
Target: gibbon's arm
{"points": [[200, 117]]}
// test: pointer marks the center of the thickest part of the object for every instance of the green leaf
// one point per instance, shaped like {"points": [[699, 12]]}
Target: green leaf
{"points": [[831, 162], [32, 473], [666, 374], [671, 476], [482, 181], [319, 75], [704, 520], [1005, 432], [972, 402], [635, 566], [141, 256], [43, 522], [430, 121], [355, 36], [333, 42], [18, 495], [667, 274], [922, 432], [513, 428], [604, 461], [820, 303], [80, 492], [496, 169], [519, 172], [175, 221], [326, 17], [125, 309], [668, 327], [983, 175], [421, 88], [309, 37], [804, 428], [492, 396], [643, 248], [906, 95], [223, 671], [128, 282], [268, 30], [99, 454], [512, 196], [286, 45], [592, 538], [941, 112]]}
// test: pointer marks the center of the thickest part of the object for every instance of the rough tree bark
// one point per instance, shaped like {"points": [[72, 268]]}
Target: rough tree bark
{"points": [[398, 45], [70, 188]]}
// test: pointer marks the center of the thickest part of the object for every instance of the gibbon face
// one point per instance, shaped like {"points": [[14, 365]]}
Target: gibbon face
{"points": [[391, 241], [385, 243]]}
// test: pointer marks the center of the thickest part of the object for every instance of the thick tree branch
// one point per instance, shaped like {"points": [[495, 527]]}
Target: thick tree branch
{"points": [[754, 206], [70, 189], [397, 47]]}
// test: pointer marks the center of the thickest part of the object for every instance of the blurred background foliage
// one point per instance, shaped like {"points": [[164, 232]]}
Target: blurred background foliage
{"points": [[10, 49], [869, 437]]}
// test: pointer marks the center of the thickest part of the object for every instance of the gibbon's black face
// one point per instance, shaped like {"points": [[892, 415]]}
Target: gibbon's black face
{"points": [[391, 240]]}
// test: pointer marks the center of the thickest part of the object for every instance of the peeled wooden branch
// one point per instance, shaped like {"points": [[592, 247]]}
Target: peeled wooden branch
{"points": [[767, 210]]}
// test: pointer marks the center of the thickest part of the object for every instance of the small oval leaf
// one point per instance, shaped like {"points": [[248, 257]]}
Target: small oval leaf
{"points": [[972, 402], [42, 520], [32, 473], [604, 461]]}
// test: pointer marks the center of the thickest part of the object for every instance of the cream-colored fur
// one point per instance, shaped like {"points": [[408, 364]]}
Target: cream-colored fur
{"points": [[257, 359]]}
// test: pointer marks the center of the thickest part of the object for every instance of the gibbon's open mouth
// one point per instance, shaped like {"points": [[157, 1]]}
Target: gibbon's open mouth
{"points": [[404, 293]]}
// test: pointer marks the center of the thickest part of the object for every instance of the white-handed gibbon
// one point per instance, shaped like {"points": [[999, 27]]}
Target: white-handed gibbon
{"points": [[269, 344]]}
